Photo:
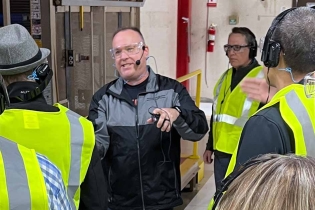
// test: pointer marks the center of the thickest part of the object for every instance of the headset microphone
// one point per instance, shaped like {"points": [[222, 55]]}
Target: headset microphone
{"points": [[139, 61]]}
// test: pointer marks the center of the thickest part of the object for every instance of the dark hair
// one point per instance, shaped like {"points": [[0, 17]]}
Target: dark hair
{"points": [[249, 35], [249, 38], [296, 33], [129, 28]]}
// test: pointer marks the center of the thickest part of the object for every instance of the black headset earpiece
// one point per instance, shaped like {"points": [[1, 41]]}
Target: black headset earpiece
{"points": [[139, 61], [44, 75], [253, 45], [253, 49]]}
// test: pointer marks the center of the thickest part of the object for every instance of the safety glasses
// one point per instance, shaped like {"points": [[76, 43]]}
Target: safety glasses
{"points": [[130, 49], [236, 48]]}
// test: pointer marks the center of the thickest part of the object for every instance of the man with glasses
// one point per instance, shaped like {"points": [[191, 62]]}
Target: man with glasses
{"points": [[139, 120], [231, 107]]}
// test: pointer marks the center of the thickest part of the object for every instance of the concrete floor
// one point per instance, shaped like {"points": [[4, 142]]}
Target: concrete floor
{"points": [[202, 194]]}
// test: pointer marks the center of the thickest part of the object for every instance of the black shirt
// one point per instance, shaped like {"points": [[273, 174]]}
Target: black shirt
{"points": [[132, 91]]}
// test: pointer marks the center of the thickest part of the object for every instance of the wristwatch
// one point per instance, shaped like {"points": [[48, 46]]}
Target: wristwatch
{"points": [[178, 109]]}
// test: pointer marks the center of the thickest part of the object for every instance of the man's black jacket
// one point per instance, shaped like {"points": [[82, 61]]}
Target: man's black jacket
{"points": [[265, 132]]}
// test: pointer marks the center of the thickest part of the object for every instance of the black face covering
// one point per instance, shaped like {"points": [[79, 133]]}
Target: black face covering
{"points": [[22, 87]]}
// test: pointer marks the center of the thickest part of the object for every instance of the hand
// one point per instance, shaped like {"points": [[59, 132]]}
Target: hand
{"points": [[207, 156], [167, 117], [257, 89]]}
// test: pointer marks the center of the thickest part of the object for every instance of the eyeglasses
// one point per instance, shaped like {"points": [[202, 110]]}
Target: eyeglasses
{"points": [[131, 49], [236, 48]]}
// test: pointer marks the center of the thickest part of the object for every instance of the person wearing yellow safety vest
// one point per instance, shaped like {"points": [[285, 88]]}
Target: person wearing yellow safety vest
{"points": [[63, 136], [39, 182], [231, 107], [286, 124]]}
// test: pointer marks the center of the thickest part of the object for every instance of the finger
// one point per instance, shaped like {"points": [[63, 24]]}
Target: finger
{"points": [[169, 127], [250, 86], [250, 89], [255, 97], [150, 120], [162, 118], [251, 83], [205, 158], [166, 125], [208, 158]]}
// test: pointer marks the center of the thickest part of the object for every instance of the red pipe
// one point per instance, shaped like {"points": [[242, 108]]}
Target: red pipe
{"points": [[183, 59]]}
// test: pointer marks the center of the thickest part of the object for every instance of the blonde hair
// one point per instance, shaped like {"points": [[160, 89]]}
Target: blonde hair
{"points": [[279, 182]]}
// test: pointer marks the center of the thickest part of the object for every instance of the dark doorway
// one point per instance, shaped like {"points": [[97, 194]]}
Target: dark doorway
{"points": [[301, 3]]}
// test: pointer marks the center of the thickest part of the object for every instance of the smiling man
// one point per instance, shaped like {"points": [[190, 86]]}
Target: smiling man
{"points": [[231, 107], [141, 153]]}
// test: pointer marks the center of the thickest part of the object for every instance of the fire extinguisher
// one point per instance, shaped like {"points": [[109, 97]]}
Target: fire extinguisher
{"points": [[211, 39]]}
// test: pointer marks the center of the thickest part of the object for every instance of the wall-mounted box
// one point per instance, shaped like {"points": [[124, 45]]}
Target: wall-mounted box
{"points": [[233, 19]]}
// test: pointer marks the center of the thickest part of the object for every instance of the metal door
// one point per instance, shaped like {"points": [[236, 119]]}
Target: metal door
{"points": [[84, 64]]}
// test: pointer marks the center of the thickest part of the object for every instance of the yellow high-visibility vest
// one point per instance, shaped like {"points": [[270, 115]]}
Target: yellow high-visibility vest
{"points": [[231, 110], [64, 137], [298, 112], [22, 185]]}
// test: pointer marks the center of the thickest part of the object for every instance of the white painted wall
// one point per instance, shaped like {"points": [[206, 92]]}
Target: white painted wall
{"points": [[158, 23], [254, 14]]}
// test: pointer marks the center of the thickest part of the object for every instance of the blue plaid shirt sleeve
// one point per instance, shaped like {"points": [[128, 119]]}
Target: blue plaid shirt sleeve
{"points": [[57, 196]]}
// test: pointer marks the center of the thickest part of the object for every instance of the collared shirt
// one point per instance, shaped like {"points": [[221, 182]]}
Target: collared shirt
{"points": [[57, 196]]}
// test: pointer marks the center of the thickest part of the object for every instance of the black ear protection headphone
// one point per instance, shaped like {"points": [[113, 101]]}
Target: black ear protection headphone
{"points": [[271, 50], [4, 97], [229, 179], [43, 75], [252, 46]]}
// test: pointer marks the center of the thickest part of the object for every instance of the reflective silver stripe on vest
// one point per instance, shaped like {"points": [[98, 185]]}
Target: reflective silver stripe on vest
{"points": [[234, 120], [17, 183], [230, 119], [241, 121], [77, 140], [301, 113]]}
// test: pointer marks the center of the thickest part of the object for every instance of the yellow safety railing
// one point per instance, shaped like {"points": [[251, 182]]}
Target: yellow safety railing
{"points": [[197, 101]]}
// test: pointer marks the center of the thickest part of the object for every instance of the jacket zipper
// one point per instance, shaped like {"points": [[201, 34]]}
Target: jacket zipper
{"points": [[175, 181], [110, 188], [139, 162]]}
